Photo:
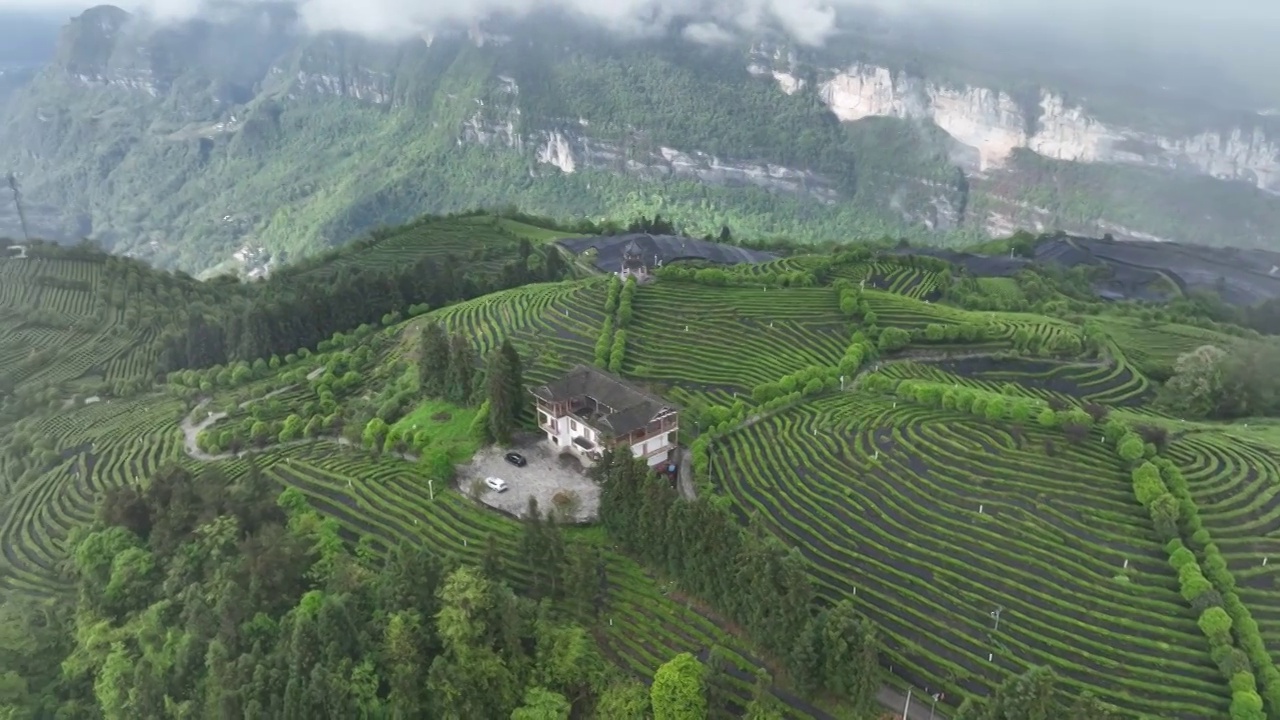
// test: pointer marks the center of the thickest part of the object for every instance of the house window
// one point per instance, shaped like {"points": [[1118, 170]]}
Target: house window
{"points": [[573, 425], [671, 438]]}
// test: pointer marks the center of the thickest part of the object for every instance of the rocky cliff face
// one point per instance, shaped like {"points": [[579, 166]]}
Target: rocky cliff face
{"points": [[991, 124], [568, 147], [570, 150], [188, 140]]}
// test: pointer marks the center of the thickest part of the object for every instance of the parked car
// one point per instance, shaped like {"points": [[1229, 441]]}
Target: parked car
{"points": [[496, 484], [516, 459]]}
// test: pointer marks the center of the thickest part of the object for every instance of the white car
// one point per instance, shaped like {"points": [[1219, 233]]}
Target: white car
{"points": [[496, 484]]}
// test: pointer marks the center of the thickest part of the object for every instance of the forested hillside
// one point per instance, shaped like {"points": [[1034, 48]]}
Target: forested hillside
{"points": [[182, 144], [273, 503], [78, 320]]}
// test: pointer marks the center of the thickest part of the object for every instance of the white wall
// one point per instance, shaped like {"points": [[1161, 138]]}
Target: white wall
{"points": [[653, 444], [562, 429]]}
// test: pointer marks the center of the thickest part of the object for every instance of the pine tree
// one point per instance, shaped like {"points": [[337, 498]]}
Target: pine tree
{"points": [[554, 265], [499, 395], [542, 545], [806, 661], [433, 359], [460, 376], [515, 379], [580, 578]]}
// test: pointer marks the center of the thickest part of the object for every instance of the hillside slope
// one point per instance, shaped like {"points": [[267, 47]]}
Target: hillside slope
{"points": [[182, 144], [922, 448]]}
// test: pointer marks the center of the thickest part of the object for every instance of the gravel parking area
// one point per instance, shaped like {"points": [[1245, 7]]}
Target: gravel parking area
{"points": [[546, 476]]}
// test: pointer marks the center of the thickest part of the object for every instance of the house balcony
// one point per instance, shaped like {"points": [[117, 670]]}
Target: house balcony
{"points": [[650, 431]]}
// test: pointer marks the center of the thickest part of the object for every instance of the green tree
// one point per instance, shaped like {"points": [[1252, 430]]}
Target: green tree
{"points": [[502, 378], [460, 378], [542, 704], [764, 705], [679, 690], [623, 700], [402, 645], [433, 358], [375, 433], [1195, 389], [515, 377]]}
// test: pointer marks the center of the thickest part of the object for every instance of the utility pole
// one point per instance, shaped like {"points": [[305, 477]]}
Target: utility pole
{"points": [[17, 201], [996, 614], [934, 706], [906, 706]]}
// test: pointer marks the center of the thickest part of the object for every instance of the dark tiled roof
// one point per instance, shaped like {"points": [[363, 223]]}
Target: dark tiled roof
{"points": [[632, 248], [630, 408]]}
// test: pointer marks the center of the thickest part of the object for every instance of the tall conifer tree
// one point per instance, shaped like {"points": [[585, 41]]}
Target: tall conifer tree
{"points": [[460, 376], [502, 401], [433, 359]]}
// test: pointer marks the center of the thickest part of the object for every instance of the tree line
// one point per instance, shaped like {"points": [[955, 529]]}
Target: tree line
{"points": [[279, 316], [202, 597]]}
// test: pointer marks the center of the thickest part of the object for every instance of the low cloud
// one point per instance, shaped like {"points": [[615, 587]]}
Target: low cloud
{"points": [[1239, 32], [808, 21], [707, 33]]}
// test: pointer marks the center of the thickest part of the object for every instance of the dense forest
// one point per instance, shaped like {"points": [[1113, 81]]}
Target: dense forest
{"points": [[201, 597]]}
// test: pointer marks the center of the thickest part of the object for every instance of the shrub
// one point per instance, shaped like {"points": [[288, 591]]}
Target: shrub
{"points": [[1216, 625], [1246, 706]]}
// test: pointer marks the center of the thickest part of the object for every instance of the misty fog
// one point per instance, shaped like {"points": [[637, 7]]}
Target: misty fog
{"points": [[1218, 52]]}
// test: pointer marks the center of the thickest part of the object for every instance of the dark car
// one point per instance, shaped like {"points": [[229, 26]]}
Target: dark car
{"points": [[516, 459]]}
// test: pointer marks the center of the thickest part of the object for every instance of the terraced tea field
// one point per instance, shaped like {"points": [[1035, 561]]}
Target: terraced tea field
{"points": [[553, 325], [937, 525], [1236, 485], [931, 522], [1154, 347], [914, 283], [698, 336], [432, 237], [98, 446], [55, 326], [383, 498], [1107, 384]]}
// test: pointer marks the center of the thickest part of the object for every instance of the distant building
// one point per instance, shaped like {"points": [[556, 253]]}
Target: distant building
{"points": [[588, 411], [633, 264]]}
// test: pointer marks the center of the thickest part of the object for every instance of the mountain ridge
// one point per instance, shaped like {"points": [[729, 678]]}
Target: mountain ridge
{"points": [[184, 144]]}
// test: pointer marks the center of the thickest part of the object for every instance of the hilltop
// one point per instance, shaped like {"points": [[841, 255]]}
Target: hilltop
{"points": [[980, 481], [186, 143]]}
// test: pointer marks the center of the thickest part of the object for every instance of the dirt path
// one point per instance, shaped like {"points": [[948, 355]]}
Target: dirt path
{"points": [[922, 705], [191, 430]]}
